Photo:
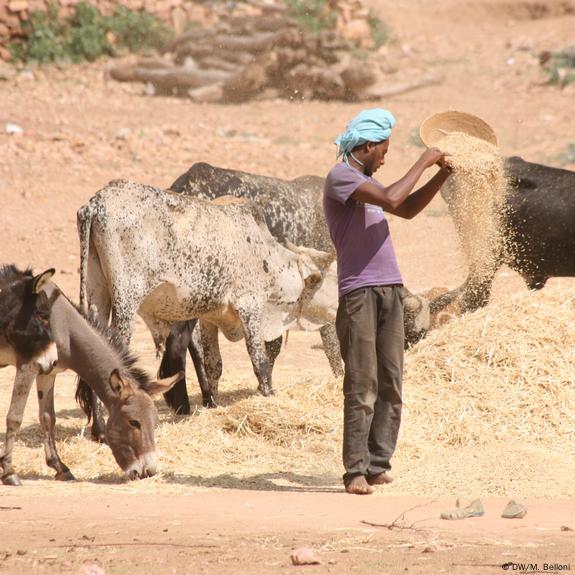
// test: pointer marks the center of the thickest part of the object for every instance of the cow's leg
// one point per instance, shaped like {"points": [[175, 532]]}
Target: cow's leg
{"points": [[535, 281], [196, 351], [212, 356], [173, 361], [22, 383], [100, 306], [476, 291], [123, 315], [331, 348], [47, 416], [257, 350], [273, 349]]}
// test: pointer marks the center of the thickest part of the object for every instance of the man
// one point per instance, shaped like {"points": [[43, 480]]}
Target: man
{"points": [[370, 314]]}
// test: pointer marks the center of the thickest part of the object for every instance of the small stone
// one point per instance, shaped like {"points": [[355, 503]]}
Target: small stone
{"points": [[18, 5], [123, 134], [90, 569], [12, 128], [304, 556]]}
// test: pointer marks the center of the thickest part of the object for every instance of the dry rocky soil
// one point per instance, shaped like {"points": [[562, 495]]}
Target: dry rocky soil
{"points": [[82, 130]]}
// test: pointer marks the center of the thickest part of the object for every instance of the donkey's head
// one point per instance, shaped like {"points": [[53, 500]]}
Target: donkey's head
{"points": [[25, 317], [132, 420]]}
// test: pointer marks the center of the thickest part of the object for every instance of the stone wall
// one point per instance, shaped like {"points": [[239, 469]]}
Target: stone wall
{"points": [[350, 15]]}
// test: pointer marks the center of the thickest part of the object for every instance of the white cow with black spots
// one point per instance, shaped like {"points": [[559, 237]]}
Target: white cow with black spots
{"points": [[169, 257]]}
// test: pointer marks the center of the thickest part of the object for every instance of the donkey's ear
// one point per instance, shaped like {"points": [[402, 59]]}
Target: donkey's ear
{"points": [[39, 282], [121, 388], [163, 385]]}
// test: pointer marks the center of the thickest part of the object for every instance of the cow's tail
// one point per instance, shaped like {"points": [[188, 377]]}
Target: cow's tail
{"points": [[84, 222], [84, 397]]}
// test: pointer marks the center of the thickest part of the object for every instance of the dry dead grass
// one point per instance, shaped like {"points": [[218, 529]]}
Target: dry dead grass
{"points": [[489, 408]]}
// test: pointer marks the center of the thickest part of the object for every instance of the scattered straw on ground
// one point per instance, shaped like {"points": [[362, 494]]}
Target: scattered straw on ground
{"points": [[489, 410]]}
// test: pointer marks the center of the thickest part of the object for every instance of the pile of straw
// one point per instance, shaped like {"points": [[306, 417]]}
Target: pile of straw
{"points": [[501, 374], [489, 408]]}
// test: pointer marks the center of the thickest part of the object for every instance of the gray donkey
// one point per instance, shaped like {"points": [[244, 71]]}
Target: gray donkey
{"points": [[108, 369]]}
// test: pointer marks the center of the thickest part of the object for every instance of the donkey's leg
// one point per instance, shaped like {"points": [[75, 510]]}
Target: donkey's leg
{"points": [[47, 415], [212, 356], [331, 348], [251, 320], [196, 351], [23, 382]]}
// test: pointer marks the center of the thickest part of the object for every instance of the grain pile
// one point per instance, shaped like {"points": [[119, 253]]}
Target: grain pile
{"points": [[489, 406], [476, 192]]}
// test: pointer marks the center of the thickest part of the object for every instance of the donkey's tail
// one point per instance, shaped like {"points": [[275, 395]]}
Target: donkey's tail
{"points": [[84, 397], [84, 222]]}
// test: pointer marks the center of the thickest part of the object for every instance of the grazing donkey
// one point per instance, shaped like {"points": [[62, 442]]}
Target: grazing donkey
{"points": [[108, 368]]}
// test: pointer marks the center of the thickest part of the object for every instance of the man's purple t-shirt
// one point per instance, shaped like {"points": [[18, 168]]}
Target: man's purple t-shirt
{"points": [[360, 233]]}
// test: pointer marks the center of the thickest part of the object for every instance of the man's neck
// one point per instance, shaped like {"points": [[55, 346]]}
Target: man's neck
{"points": [[352, 161]]}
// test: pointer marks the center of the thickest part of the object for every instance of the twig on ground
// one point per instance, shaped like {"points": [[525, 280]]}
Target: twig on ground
{"points": [[395, 523]]}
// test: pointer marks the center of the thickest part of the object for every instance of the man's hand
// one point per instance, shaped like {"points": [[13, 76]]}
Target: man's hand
{"points": [[433, 156]]}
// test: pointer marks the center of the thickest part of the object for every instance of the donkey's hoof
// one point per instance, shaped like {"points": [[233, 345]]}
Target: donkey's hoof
{"points": [[65, 476], [12, 480]]}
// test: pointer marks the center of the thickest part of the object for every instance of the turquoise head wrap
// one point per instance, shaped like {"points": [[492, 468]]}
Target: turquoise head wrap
{"points": [[374, 125]]}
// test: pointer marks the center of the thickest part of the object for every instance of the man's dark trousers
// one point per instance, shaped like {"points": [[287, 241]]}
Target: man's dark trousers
{"points": [[371, 336]]}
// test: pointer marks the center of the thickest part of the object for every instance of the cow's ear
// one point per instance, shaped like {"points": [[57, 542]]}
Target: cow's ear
{"points": [[40, 281], [163, 385], [121, 388]]}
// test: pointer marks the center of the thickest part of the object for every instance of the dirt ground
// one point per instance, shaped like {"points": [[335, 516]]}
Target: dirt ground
{"points": [[82, 130]]}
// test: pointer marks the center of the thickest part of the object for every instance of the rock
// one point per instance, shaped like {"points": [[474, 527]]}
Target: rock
{"points": [[123, 134], [12, 128], [90, 569], [18, 6], [304, 556]]}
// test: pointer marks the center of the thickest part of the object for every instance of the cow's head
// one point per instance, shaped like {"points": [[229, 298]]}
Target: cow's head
{"points": [[298, 274], [25, 317], [415, 317]]}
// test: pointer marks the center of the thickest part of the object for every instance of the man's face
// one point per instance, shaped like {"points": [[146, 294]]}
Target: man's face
{"points": [[376, 156]]}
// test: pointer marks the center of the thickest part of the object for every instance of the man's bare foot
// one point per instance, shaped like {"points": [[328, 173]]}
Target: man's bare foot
{"points": [[379, 479], [359, 486]]}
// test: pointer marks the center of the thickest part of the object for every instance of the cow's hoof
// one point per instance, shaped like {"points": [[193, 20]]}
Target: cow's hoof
{"points": [[12, 480], [210, 403], [266, 391], [98, 437], [65, 476]]}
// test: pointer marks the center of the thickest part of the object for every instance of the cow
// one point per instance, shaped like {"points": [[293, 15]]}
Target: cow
{"points": [[292, 209], [170, 257], [537, 228], [293, 212]]}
